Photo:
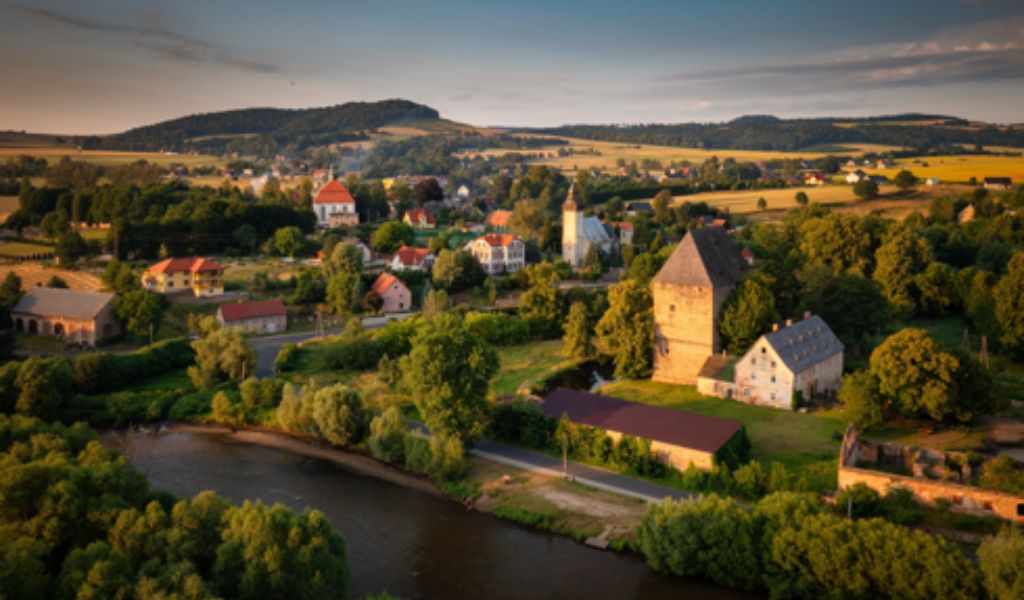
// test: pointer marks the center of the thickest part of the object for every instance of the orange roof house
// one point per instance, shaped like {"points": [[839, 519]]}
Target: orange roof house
{"points": [[262, 316], [499, 253], [395, 295], [200, 276], [498, 219], [420, 219], [410, 258]]}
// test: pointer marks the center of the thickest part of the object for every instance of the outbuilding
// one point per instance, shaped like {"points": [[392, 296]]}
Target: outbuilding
{"points": [[262, 316]]}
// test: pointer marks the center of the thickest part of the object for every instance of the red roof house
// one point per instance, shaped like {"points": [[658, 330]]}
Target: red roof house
{"points": [[333, 192], [410, 258], [419, 219], [395, 295], [262, 316]]}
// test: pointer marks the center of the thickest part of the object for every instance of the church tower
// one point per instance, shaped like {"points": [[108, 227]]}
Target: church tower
{"points": [[573, 242]]}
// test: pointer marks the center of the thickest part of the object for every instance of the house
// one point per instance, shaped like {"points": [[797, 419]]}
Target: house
{"points": [[998, 183], [363, 248], [966, 215], [932, 181], [798, 360], [678, 438], [463, 192], [851, 163], [200, 276], [498, 220], [815, 178], [499, 253], [635, 208], [688, 293], [625, 229], [261, 316], [72, 315], [419, 219], [855, 176], [410, 258], [579, 233], [748, 256], [883, 164], [394, 294], [334, 206]]}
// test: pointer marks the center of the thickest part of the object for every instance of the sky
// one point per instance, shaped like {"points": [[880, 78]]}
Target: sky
{"points": [[103, 66]]}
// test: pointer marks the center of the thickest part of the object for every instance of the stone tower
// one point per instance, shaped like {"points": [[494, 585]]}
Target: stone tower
{"points": [[574, 243], [688, 293]]}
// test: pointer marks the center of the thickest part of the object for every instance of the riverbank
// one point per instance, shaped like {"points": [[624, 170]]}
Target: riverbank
{"points": [[528, 498]]}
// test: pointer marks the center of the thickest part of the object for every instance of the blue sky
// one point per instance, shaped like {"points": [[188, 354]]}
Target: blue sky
{"points": [[96, 66]]}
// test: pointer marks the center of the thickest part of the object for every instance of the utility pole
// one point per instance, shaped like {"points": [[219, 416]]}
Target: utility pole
{"points": [[151, 333], [565, 455]]}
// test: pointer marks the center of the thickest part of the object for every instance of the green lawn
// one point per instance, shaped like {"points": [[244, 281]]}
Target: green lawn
{"points": [[805, 443], [526, 363]]}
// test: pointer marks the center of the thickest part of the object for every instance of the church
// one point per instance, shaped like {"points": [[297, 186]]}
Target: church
{"points": [[579, 233], [688, 293]]}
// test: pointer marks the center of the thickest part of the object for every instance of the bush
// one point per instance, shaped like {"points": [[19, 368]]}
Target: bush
{"points": [[498, 329], [285, 359], [859, 501], [102, 371], [387, 436], [899, 507], [191, 406], [521, 423]]}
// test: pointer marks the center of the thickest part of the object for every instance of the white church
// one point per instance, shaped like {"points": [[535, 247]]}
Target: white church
{"points": [[579, 232]]}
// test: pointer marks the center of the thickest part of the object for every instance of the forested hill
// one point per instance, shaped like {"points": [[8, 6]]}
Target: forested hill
{"points": [[765, 132], [265, 130]]}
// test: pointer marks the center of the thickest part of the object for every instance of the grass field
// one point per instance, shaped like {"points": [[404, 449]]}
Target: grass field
{"points": [[805, 443], [8, 204], [24, 250], [33, 274], [526, 363], [108, 158], [958, 169]]}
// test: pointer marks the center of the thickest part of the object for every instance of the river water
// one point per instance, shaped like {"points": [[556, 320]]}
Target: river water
{"points": [[401, 540]]}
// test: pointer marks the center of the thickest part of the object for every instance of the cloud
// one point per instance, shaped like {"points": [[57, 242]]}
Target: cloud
{"points": [[165, 43]]}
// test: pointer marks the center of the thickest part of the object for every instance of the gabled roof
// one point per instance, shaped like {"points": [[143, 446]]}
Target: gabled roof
{"points": [[676, 427], [595, 231], [419, 215], [238, 311], [498, 240], [56, 302], [999, 180], [804, 343], [499, 218], [411, 256], [333, 192], [180, 265], [384, 283], [706, 257]]}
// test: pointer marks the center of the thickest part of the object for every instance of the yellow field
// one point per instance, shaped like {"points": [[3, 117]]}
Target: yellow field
{"points": [[745, 201], [8, 204], [110, 158], [958, 169], [33, 274]]}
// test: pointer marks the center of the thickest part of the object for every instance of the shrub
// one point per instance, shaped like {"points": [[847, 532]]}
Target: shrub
{"points": [[285, 359], [387, 436], [521, 423], [899, 507], [102, 371], [859, 501], [191, 406], [498, 329]]}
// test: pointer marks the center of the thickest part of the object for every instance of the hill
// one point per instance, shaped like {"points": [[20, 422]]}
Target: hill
{"points": [[264, 131], [765, 132]]}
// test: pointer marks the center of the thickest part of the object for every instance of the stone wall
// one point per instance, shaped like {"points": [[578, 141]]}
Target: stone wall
{"points": [[685, 330], [962, 498]]}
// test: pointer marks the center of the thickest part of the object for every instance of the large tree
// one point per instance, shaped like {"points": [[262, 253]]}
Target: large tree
{"points": [[288, 241], [221, 353], [391, 236], [905, 180], [141, 312], [578, 337], [529, 219], [903, 255], [837, 240], [748, 313], [626, 328], [1009, 304], [457, 270], [447, 373], [344, 293]]}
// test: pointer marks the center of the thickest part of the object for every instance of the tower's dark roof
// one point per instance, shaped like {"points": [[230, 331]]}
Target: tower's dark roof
{"points": [[706, 257]]}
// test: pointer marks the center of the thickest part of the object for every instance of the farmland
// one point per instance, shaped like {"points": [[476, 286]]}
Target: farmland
{"points": [[33, 274], [108, 158], [958, 168]]}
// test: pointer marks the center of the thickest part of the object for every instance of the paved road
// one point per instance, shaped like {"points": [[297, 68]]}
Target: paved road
{"points": [[587, 475], [267, 347]]}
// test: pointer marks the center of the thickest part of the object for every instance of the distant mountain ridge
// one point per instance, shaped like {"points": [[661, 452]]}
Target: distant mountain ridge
{"points": [[768, 132], [263, 130]]}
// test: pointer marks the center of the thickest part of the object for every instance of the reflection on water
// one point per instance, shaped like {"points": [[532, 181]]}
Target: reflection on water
{"points": [[400, 540]]}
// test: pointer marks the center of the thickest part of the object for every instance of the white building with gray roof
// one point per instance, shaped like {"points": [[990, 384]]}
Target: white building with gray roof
{"points": [[72, 315], [800, 360]]}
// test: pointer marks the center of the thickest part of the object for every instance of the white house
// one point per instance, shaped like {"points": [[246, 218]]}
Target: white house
{"points": [[363, 248], [579, 233], [409, 258], [334, 206], [855, 176], [798, 359], [498, 253]]}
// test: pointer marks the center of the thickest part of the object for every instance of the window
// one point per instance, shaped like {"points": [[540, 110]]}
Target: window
{"points": [[773, 366], [773, 380], [763, 350], [1020, 510], [672, 308]]}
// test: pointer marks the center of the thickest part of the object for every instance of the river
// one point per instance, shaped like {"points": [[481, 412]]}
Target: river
{"points": [[400, 540]]}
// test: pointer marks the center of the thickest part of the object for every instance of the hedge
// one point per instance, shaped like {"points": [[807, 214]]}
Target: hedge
{"points": [[103, 371]]}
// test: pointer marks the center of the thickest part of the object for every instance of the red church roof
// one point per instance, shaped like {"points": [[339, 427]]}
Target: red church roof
{"points": [[238, 311], [333, 193]]}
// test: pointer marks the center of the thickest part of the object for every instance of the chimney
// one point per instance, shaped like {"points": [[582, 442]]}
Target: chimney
{"points": [[807, 315], [775, 327], [789, 322]]}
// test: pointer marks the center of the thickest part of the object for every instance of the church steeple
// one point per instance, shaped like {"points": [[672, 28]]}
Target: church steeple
{"points": [[571, 204]]}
